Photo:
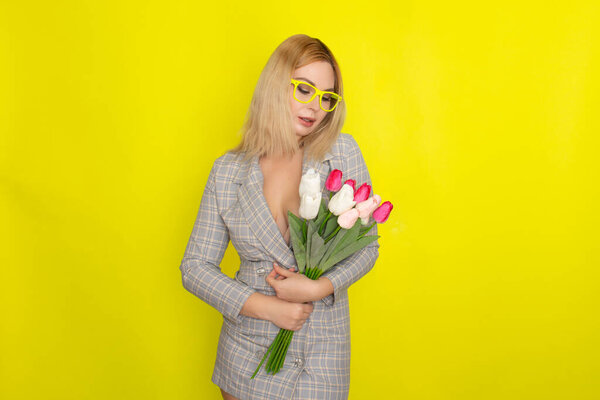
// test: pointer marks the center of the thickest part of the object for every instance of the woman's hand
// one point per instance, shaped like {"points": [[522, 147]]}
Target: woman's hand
{"points": [[292, 286], [286, 315]]}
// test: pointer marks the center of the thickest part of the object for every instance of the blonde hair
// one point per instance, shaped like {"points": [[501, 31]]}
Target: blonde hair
{"points": [[268, 129]]}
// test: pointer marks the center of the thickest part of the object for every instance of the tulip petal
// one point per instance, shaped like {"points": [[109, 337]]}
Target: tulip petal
{"points": [[352, 183], [309, 205], [342, 200], [347, 219], [334, 181], [362, 193], [310, 183], [382, 212]]}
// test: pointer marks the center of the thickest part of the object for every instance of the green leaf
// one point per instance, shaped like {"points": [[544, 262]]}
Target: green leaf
{"points": [[330, 226], [333, 245], [304, 231], [351, 235], [309, 232], [364, 229], [323, 211], [298, 240], [294, 220], [299, 250], [349, 250], [317, 249], [296, 224]]}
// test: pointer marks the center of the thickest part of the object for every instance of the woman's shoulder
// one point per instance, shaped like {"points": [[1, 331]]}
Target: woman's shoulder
{"points": [[228, 166], [344, 145], [229, 160]]}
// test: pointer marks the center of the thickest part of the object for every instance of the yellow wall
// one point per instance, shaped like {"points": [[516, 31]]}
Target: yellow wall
{"points": [[479, 122]]}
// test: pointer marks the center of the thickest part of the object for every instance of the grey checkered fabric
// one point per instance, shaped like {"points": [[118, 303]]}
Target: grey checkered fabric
{"points": [[233, 207]]}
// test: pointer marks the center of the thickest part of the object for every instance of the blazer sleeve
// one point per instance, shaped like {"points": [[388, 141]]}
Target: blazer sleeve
{"points": [[348, 271], [200, 267]]}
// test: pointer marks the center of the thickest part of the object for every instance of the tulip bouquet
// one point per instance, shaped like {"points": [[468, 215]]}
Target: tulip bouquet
{"points": [[320, 241]]}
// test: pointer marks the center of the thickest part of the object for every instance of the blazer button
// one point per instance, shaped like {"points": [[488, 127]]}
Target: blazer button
{"points": [[298, 362], [260, 271]]}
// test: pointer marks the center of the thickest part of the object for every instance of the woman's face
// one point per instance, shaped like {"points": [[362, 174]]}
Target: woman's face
{"points": [[319, 74]]}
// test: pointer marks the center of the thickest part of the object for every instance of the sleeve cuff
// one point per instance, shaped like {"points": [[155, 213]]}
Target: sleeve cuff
{"points": [[330, 299], [235, 303], [226, 295]]}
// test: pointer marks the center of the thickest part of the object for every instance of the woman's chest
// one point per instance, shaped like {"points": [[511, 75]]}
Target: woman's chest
{"points": [[280, 189]]}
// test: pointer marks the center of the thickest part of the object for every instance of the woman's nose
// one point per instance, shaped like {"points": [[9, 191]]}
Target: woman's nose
{"points": [[314, 104]]}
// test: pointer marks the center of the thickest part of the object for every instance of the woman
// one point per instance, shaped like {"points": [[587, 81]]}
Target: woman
{"points": [[290, 127]]}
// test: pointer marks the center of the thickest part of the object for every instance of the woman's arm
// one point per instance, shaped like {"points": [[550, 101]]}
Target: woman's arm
{"points": [[295, 287], [284, 314], [200, 267]]}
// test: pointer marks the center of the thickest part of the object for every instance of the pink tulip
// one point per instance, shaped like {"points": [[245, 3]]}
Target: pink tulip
{"points": [[365, 208], [334, 181], [347, 219], [352, 183], [362, 193], [383, 212]]}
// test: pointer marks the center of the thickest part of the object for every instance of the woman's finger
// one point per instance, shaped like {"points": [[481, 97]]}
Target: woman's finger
{"points": [[281, 271], [271, 277]]}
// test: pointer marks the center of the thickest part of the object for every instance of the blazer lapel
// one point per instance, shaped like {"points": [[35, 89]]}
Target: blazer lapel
{"points": [[260, 221], [256, 210]]}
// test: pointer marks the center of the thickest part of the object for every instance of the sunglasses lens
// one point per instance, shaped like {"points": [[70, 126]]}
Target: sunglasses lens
{"points": [[304, 92], [329, 101]]}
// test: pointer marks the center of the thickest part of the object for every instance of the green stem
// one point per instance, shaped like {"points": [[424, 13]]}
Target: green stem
{"points": [[315, 274], [309, 273], [280, 342], [324, 222], [365, 232], [264, 358], [333, 234], [280, 357], [282, 352]]}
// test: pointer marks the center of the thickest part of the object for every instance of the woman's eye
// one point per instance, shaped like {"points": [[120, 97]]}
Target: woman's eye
{"points": [[327, 99], [302, 90]]}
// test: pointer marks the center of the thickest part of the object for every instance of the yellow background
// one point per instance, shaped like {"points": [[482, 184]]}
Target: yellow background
{"points": [[479, 122]]}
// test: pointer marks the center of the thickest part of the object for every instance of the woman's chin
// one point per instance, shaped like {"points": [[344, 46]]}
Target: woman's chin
{"points": [[302, 132]]}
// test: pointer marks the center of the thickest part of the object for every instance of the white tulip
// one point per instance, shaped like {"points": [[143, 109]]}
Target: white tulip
{"points": [[309, 205], [342, 200], [310, 183]]}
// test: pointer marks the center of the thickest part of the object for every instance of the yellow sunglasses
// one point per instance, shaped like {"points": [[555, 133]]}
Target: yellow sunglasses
{"points": [[305, 93]]}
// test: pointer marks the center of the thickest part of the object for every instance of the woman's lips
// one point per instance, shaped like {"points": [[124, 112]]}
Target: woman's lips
{"points": [[306, 123]]}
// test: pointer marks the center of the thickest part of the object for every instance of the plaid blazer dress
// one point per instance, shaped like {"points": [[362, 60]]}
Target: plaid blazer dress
{"points": [[233, 207]]}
